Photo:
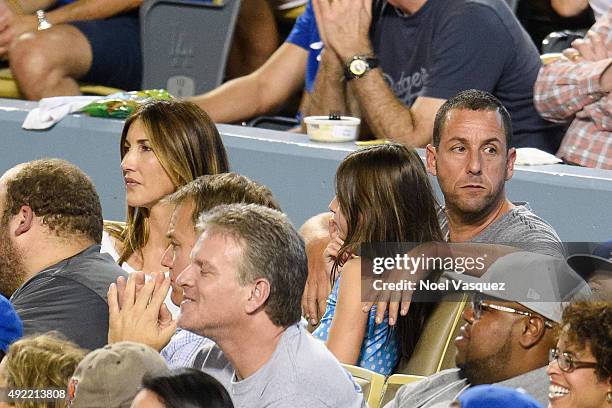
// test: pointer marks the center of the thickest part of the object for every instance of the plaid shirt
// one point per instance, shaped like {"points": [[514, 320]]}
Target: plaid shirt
{"points": [[183, 348], [568, 90]]}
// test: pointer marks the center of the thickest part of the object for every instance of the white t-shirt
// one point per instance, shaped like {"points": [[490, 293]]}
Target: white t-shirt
{"points": [[109, 248]]}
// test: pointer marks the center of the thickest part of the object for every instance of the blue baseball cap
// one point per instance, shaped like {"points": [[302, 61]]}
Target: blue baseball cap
{"points": [[496, 396], [11, 327], [586, 264]]}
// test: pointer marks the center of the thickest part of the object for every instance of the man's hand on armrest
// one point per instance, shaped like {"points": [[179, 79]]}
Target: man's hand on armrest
{"points": [[316, 237]]}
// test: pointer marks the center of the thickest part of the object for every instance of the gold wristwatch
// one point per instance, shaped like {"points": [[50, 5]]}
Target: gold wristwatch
{"points": [[359, 65]]}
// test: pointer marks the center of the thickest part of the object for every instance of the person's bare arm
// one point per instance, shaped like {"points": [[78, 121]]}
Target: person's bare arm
{"points": [[569, 8], [255, 38], [29, 6], [344, 27], [315, 233], [329, 91], [260, 92], [348, 325], [388, 118], [91, 10], [13, 25]]}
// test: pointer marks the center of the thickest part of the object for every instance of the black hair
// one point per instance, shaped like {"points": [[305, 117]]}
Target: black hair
{"points": [[188, 388], [473, 100]]}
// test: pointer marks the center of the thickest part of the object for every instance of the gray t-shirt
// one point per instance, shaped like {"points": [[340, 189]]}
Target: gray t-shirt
{"points": [[302, 372], [442, 388], [518, 228], [70, 297]]}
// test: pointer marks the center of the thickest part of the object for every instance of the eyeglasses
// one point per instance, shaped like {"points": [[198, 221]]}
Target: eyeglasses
{"points": [[566, 361], [478, 305]]}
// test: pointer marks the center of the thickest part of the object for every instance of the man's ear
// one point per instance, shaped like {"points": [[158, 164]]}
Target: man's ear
{"points": [[260, 292], [24, 220], [510, 163], [431, 159], [533, 330]]}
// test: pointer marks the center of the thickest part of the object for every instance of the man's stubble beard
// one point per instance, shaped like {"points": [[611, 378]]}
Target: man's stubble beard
{"points": [[487, 370], [12, 270], [471, 216]]}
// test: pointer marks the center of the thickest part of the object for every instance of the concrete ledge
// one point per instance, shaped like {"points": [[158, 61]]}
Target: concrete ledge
{"points": [[576, 201]]}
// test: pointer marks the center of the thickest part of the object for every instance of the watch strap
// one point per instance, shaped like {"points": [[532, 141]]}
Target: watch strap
{"points": [[370, 61]]}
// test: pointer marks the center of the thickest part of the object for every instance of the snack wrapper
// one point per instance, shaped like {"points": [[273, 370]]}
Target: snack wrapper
{"points": [[121, 105]]}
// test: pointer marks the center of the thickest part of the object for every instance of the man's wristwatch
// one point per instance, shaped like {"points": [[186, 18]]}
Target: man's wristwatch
{"points": [[43, 24], [359, 65]]}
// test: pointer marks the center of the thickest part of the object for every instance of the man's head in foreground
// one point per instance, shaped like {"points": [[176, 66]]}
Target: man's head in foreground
{"points": [[494, 396], [596, 269], [509, 332], [195, 198], [48, 208], [111, 376], [248, 269], [471, 154]]}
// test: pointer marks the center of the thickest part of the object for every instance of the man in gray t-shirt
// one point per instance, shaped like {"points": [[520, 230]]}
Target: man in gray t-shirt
{"points": [[243, 290], [519, 228], [300, 373], [472, 158]]}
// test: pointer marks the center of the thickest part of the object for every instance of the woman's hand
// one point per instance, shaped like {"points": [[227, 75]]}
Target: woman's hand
{"points": [[331, 251]]}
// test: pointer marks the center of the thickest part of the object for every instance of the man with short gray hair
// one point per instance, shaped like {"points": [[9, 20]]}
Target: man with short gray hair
{"points": [[243, 290]]}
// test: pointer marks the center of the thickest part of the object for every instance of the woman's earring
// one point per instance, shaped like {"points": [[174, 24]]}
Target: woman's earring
{"points": [[609, 397]]}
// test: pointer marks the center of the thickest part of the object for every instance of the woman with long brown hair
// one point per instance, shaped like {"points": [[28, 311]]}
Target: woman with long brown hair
{"points": [[383, 195], [164, 145]]}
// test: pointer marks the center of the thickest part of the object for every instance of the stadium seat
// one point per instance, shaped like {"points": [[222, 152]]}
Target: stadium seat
{"points": [[435, 349], [185, 44], [371, 383], [393, 383]]}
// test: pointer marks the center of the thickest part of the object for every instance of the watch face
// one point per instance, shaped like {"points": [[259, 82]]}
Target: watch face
{"points": [[358, 67]]}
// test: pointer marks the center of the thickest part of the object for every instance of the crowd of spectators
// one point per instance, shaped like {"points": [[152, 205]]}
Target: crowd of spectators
{"points": [[206, 296], [238, 271]]}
